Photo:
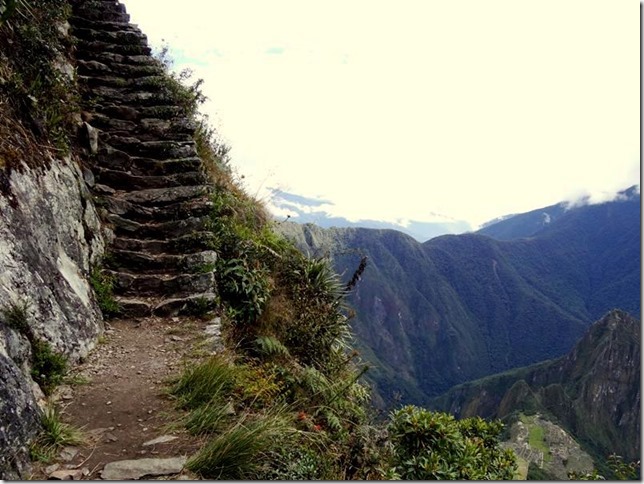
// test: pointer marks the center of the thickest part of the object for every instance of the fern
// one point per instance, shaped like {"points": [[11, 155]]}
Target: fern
{"points": [[271, 346]]}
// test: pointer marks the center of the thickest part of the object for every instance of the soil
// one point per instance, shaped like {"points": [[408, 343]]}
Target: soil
{"points": [[120, 397]]}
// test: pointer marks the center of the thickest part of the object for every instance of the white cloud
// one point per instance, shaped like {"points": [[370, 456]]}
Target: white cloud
{"points": [[398, 109]]}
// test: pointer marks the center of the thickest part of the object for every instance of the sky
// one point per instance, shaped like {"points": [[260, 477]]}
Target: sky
{"points": [[401, 110]]}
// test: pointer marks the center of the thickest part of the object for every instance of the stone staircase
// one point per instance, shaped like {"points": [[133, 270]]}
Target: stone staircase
{"points": [[148, 178]]}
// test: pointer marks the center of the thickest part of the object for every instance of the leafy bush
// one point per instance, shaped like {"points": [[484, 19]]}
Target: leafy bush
{"points": [[103, 286], [48, 367], [434, 445], [619, 469]]}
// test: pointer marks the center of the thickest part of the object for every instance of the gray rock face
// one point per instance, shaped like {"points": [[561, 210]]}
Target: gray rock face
{"points": [[136, 469], [49, 236]]}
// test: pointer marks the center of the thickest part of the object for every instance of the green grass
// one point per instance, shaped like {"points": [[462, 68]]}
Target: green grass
{"points": [[237, 452], [55, 435], [536, 438]]}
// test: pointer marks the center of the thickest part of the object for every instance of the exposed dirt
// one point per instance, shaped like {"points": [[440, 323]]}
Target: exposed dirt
{"points": [[120, 396]]}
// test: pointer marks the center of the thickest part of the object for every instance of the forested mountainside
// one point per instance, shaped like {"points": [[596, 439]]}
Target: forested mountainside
{"points": [[460, 307], [594, 390]]}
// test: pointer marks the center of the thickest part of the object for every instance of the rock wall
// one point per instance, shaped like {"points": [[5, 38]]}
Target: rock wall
{"points": [[50, 236]]}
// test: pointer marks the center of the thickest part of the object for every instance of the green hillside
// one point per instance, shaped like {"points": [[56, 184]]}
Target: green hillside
{"points": [[460, 307], [594, 390]]}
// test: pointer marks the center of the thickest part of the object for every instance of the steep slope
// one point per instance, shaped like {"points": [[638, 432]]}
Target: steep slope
{"points": [[594, 390], [455, 308]]}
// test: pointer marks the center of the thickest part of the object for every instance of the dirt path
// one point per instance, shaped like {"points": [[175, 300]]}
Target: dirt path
{"points": [[120, 395]]}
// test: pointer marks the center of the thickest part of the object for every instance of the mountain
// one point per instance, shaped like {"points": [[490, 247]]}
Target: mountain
{"points": [[459, 307], [594, 390], [529, 224], [304, 210]]}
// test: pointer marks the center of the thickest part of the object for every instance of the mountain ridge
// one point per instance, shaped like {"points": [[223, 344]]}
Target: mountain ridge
{"points": [[593, 389], [459, 307]]}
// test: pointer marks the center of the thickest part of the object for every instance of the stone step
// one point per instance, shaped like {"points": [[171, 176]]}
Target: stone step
{"points": [[148, 129], [114, 159], [100, 15], [125, 71], [123, 49], [196, 304], [143, 262], [105, 26], [163, 285], [131, 97], [105, 79], [161, 150], [97, 5], [198, 207], [124, 37], [167, 112], [189, 243], [109, 58], [120, 180], [159, 197], [156, 230]]}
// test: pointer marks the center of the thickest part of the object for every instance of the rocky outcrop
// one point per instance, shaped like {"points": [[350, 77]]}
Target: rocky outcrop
{"points": [[50, 235], [594, 391], [149, 178]]}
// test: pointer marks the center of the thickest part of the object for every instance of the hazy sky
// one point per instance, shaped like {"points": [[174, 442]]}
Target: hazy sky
{"points": [[400, 109]]}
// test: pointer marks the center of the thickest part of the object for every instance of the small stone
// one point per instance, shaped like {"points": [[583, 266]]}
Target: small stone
{"points": [[68, 453], [53, 468], [138, 468], [160, 440], [108, 402], [68, 475]]}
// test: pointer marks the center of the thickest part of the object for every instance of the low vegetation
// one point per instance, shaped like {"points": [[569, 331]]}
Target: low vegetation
{"points": [[54, 436], [286, 400], [103, 286], [48, 367], [38, 100]]}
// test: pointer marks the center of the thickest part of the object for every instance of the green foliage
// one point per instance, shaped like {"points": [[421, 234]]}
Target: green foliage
{"points": [[16, 316], [237, 452], [103, 285], [55, 434], [269, 346], [428, 445], [48, 367], [39, 95], [619, 469], [246, 287], [178, 87], [209, 382]]}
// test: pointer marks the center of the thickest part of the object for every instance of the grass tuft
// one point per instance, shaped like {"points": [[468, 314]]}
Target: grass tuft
{"points": [[55, 435]]}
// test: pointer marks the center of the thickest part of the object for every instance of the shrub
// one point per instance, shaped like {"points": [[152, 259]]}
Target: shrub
{"points": [[434, 445], [48, 367], [16, 316], [103, 286]]}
